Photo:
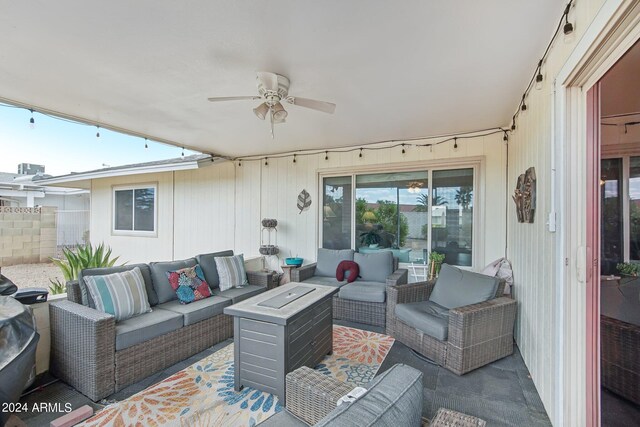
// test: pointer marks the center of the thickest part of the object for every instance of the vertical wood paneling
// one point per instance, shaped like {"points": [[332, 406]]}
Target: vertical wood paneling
{"points": [[204, 204], [532, 248]]}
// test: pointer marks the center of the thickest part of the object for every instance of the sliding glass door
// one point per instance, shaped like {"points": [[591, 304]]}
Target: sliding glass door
{"points": [[409, 213]]}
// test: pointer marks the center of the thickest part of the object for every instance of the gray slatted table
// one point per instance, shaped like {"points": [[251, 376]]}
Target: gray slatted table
{"points": [[271, 342]]}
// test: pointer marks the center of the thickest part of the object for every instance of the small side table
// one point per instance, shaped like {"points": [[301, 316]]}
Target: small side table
{"points": [[286, 274]]}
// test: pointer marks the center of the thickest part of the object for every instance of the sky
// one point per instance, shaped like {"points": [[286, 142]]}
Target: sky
{"points": [[64, 147]]}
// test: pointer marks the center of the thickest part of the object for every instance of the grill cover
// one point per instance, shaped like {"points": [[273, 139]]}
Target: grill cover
{"points": [[18, 340]]}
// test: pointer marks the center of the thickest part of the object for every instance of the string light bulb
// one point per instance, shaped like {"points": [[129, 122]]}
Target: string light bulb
{"points": [[97, 131], [403, 150], [32, 121], [513, 124], [524, 105], [505, 138], [145, 143], [294, 158], [239, 163], [182, 151], [569, 34], [539, 77], [360, 155], [455, 143], [266, 162], [326, 155]]}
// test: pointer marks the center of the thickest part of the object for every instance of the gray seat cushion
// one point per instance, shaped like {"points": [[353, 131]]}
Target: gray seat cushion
{"points": [[146, 326], [394, 398], [376, 266], [199, 310], [456, 287], [208, 264], [240, 294], [328, 260], [326, 281], [361, 290], [159, 277], [144, 269], [426, 316]]}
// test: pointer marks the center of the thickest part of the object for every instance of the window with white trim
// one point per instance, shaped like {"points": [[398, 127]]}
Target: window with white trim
{"points": [[135, 209]]}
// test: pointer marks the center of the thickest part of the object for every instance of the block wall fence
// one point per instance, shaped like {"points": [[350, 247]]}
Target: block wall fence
{"points": [[27, 235]]}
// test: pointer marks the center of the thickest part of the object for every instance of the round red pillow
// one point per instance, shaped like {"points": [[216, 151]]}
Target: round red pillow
{"points": [[351, 267]]}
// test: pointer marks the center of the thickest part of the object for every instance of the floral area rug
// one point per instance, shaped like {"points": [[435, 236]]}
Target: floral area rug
{"points": [[203, 395]]}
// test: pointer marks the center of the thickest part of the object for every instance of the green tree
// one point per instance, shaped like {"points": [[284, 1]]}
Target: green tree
{"points": [[423, 202], [387, 217], [464, 196]]}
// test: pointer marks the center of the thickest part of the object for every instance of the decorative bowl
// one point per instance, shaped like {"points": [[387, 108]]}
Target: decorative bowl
{"points": [[297, 262]]}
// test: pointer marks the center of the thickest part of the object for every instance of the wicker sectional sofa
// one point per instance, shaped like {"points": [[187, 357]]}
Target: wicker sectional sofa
{"points": [[364, 300], [99, 356]]}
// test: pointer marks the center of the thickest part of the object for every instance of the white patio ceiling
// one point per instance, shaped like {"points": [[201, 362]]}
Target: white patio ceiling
{"points": [[395, 69]]}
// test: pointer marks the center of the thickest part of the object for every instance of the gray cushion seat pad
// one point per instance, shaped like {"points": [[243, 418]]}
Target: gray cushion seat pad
{"points": [[142, 328], [376, 266], [328, 260], [208, 264], [394, 398], [239, 294], [456, 287], [361, 290], [199, 310], [161, 282], [144, 269], [426, 316], [326, 281]]}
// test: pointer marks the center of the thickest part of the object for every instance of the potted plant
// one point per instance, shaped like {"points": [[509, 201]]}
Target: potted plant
{"points": [[370, 238], [631, 269], [435, 262]]}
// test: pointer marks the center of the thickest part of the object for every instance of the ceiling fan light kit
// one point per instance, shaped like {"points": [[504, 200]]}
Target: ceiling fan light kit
{"points": [[273, 89]]}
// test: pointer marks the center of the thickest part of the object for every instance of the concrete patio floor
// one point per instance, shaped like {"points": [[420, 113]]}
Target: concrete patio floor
{"points": [[501, 393]]}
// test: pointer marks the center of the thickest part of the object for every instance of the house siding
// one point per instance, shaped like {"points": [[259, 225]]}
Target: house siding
{"points": [[532, 250], [220, 206]]}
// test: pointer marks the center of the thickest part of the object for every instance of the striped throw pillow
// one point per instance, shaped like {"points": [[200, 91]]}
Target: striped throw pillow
{"points": [[121, 294], [231, 272]]}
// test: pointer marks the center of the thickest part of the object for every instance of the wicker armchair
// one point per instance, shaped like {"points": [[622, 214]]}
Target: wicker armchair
{"points": [[478, 334], [312, 399]]}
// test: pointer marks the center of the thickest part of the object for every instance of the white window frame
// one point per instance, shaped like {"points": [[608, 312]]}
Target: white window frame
{"points": [[141, 233], [475, 163]]}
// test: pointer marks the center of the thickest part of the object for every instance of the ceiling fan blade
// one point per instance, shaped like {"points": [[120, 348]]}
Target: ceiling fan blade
{"points": [[268, 80], [233, 98], [325, 107]]}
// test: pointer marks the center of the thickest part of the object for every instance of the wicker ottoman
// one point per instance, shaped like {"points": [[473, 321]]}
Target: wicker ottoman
{"points": [[449, 418]]}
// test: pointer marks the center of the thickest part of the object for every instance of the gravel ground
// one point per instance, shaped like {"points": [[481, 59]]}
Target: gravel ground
{"points": [[32, 275]]}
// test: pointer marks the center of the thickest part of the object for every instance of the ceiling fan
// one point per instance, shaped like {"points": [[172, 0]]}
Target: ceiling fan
{"points": [[272, 89]]}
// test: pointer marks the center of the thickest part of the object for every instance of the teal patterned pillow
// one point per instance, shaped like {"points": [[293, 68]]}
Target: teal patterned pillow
{"points": [[189, 284]]}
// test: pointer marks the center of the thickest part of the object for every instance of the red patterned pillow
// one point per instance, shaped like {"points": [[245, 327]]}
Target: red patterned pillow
{"points": [[347, 266], [189, 284]]}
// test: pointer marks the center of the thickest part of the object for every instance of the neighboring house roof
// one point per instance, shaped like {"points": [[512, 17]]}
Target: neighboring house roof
{"points": [[83, 179]]}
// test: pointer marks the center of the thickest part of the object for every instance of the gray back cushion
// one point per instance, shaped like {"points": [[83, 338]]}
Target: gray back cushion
{"points": [[160, 280], [376, 266], [456, 287], [328, 260], [394, 398], [144, 269], [208, 264]]}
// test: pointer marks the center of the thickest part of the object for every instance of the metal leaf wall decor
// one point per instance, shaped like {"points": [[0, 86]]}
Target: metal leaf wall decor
{"points": [[304, 200], [525, 196]]}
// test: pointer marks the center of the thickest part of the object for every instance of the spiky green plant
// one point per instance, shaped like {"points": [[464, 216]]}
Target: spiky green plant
{"points": [[84, 256]]}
